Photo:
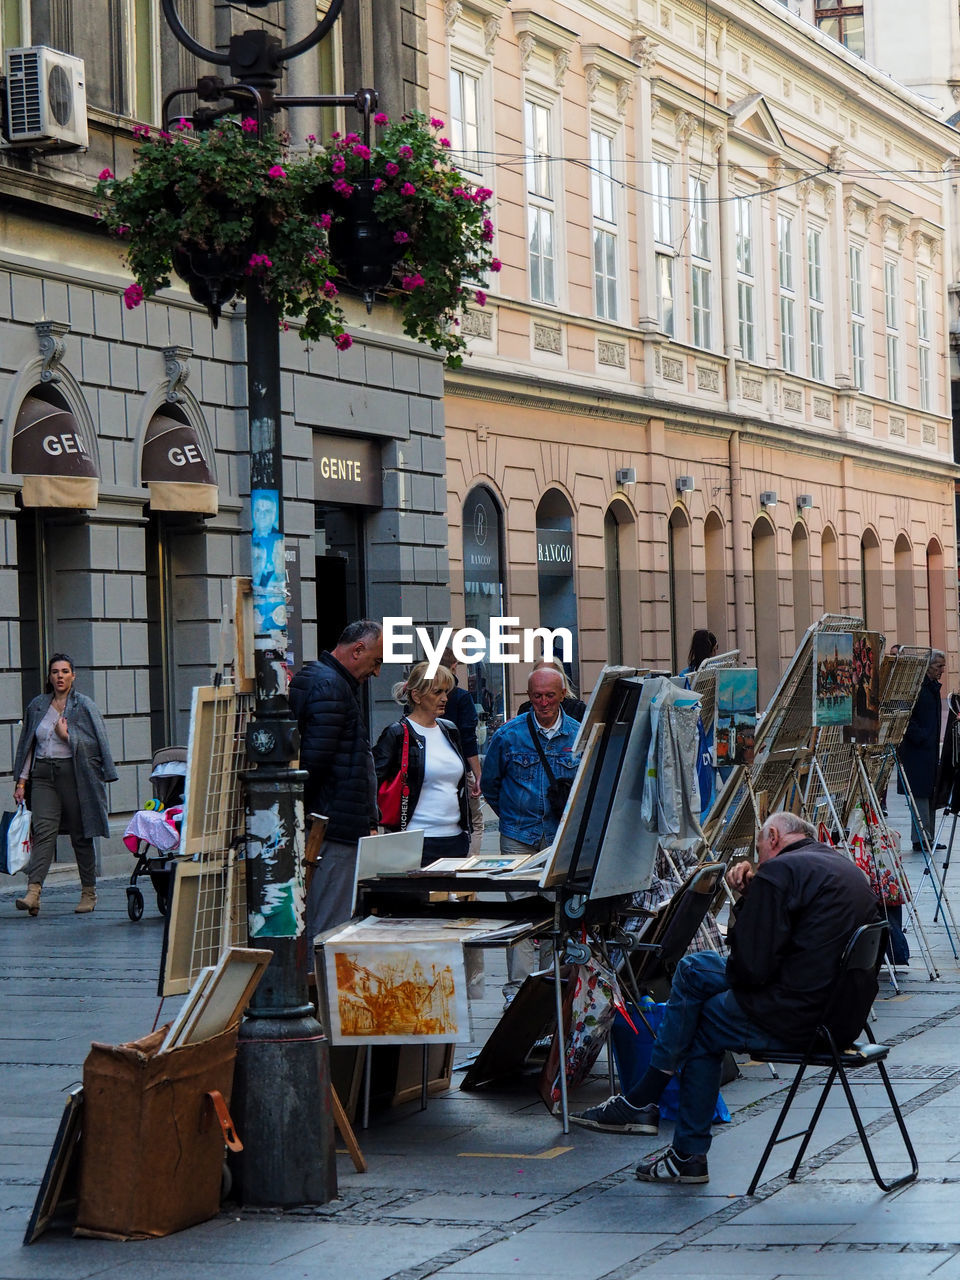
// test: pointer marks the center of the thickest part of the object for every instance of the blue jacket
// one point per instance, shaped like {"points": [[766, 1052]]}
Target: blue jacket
{"points": [[514, 782]]}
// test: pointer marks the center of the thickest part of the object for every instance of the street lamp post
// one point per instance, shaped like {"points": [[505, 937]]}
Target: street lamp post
{"points": [[282, 1087]]}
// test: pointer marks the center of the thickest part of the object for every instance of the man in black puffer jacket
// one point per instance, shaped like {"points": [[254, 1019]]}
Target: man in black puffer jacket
{"points": [[335, 751]]}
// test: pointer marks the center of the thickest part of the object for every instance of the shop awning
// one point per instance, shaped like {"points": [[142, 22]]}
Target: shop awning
{"points": [[175, 467], [52, 454]]}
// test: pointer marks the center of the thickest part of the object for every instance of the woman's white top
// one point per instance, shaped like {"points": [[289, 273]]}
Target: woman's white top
{"points": [[50, 746], [438, 808]]}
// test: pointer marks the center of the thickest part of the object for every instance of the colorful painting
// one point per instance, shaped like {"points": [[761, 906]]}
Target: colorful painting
{"points": [[867, 652], [833, 680], [389, 993], [735, 716]]}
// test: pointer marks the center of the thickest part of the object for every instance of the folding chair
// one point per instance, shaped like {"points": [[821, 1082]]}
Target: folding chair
{"points": [[854, 994]]}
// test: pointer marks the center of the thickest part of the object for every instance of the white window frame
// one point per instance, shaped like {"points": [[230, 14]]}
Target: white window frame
{"points": [[891, 318], [924, 342], [542, 183], [605, 202], [701, 266], [467, 152], [786, 278], [746, 289], [815, 305], [664, 249], [858, 317]]}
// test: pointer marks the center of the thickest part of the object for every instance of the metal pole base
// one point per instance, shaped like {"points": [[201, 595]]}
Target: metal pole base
{"points": [[281, 1104]]}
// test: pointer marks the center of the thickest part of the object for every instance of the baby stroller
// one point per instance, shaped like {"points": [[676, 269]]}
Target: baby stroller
{"points": [[151, 836]]}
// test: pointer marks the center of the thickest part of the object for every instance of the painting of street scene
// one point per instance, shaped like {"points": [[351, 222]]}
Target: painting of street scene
{"points": [[867, 651], [735, 716], [833, 680], [389, 994]]}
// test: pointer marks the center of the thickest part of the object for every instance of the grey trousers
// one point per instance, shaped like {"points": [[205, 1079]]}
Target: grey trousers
{"points": [[53, 796], [330, 900]]}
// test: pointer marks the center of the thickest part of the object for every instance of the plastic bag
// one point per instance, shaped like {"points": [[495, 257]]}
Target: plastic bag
{"points": [[15, 840], [878, 857]]}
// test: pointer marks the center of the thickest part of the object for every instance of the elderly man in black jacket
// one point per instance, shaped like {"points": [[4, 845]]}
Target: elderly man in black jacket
{"points": [[798, 909], [335, 751]]}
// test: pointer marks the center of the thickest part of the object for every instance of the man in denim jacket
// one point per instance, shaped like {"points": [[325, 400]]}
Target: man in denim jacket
{"points": [[514, 785]]}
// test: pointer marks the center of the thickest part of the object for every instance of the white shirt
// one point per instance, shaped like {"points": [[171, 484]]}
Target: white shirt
{"points": [[554, 728], [438, 806]]}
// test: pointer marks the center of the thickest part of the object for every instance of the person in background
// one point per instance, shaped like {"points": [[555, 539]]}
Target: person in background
{"points": [[436, 769], [64, 756], [572, 705], [919, 752], [335, 751], [515, 783], [703, 645], [462, 711]]}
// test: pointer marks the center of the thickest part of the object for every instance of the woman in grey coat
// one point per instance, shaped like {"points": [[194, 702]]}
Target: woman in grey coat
{"points": [[64, 755]]}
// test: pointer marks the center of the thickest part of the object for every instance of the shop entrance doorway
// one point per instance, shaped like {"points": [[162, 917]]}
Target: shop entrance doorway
{"points": [[338, 541]]}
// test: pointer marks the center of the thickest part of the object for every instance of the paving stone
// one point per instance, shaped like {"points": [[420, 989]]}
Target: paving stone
{"points": [[581, 1255]]}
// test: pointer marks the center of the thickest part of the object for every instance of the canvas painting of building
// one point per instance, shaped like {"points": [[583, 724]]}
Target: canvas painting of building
{"points": [[735, 716], [392, 993], [867, 652], [833, 679]]}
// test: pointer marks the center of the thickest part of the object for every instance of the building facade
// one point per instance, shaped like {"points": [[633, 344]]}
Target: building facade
{"points": [[124, 473], [710, 386]]}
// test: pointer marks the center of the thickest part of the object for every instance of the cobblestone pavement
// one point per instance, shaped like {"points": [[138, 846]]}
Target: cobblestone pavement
{"points": [[486, 1184]]}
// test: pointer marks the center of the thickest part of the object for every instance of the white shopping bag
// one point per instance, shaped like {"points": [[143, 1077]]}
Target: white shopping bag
{"points": [[16, 848]]}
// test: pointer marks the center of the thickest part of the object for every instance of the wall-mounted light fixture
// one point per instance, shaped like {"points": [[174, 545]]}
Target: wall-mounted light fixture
{"points": [[804, 501], [685, 484], [768, 498], [627, 475]]}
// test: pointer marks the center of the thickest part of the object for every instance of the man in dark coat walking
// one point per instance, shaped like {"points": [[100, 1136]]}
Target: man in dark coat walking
{"points": [[335, 751], [919, 751]]}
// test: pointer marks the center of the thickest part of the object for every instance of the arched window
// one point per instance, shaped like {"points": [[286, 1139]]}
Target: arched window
{"points": [[715, 563], [622, 584], [871, 581], [484, 597], [905, 593], [830, 567], [766, 620], [556, 583], [800, 565], [936, 595], [681, 586]]}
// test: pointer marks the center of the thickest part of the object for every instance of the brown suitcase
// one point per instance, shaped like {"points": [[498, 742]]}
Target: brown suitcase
{"points": [[152, 1150]]}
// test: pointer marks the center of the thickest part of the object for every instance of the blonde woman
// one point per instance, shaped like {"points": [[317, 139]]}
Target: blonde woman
{"points": [[436, 769]]}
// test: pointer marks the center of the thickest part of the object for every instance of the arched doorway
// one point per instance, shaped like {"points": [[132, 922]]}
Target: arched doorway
{"points": [[800, 566], [766, 620], [871, 580], [622, 583], [904, 590], [556, 582], [681, 586], [484, 597], [936, 595], [830, 568], [715, 565]]}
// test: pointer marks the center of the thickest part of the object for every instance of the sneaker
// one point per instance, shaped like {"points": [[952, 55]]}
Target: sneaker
{"points": [[667, 1166], [617, 1115]]}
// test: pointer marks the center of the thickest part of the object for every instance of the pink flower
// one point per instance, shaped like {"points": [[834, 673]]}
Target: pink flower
{"points": [[183, 125], [378, 184], [311, 137], [323, 222], [481, 298], [249, 125], [351, 138], [482, 193], [132, 296], [338, 164], [361, 152], [105, 175], [435, 123], [487, 230], [276, 171], [405, 152], [496, 265], [335, 135], [445, 142], [141, 131], [343, 342], [392, 169], [329, 290], [343, 188], [408, 189], [122, 230], [381, 118], [258, 262], [400, 237], [413, 282]]}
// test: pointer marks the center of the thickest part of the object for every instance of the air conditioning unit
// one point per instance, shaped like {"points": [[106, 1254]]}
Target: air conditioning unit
{"points": [[46, 102]]}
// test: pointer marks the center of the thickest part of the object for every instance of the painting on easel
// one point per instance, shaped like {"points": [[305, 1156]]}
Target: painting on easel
{"points": [[833, 680], [865, 723], [735, 716]]}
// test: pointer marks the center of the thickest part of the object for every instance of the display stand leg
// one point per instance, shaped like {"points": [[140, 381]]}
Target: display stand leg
{"points": [[946, 858], [425, 1077], [346, 1132], [929, 870], [367, 1072], [561, 1038]]}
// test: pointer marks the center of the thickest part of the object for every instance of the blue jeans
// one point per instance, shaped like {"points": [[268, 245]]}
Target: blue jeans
{"points": [[701, 1022]]}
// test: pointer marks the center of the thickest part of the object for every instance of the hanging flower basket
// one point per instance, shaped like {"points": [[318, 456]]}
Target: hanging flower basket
{"points": [[226, 208]]}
